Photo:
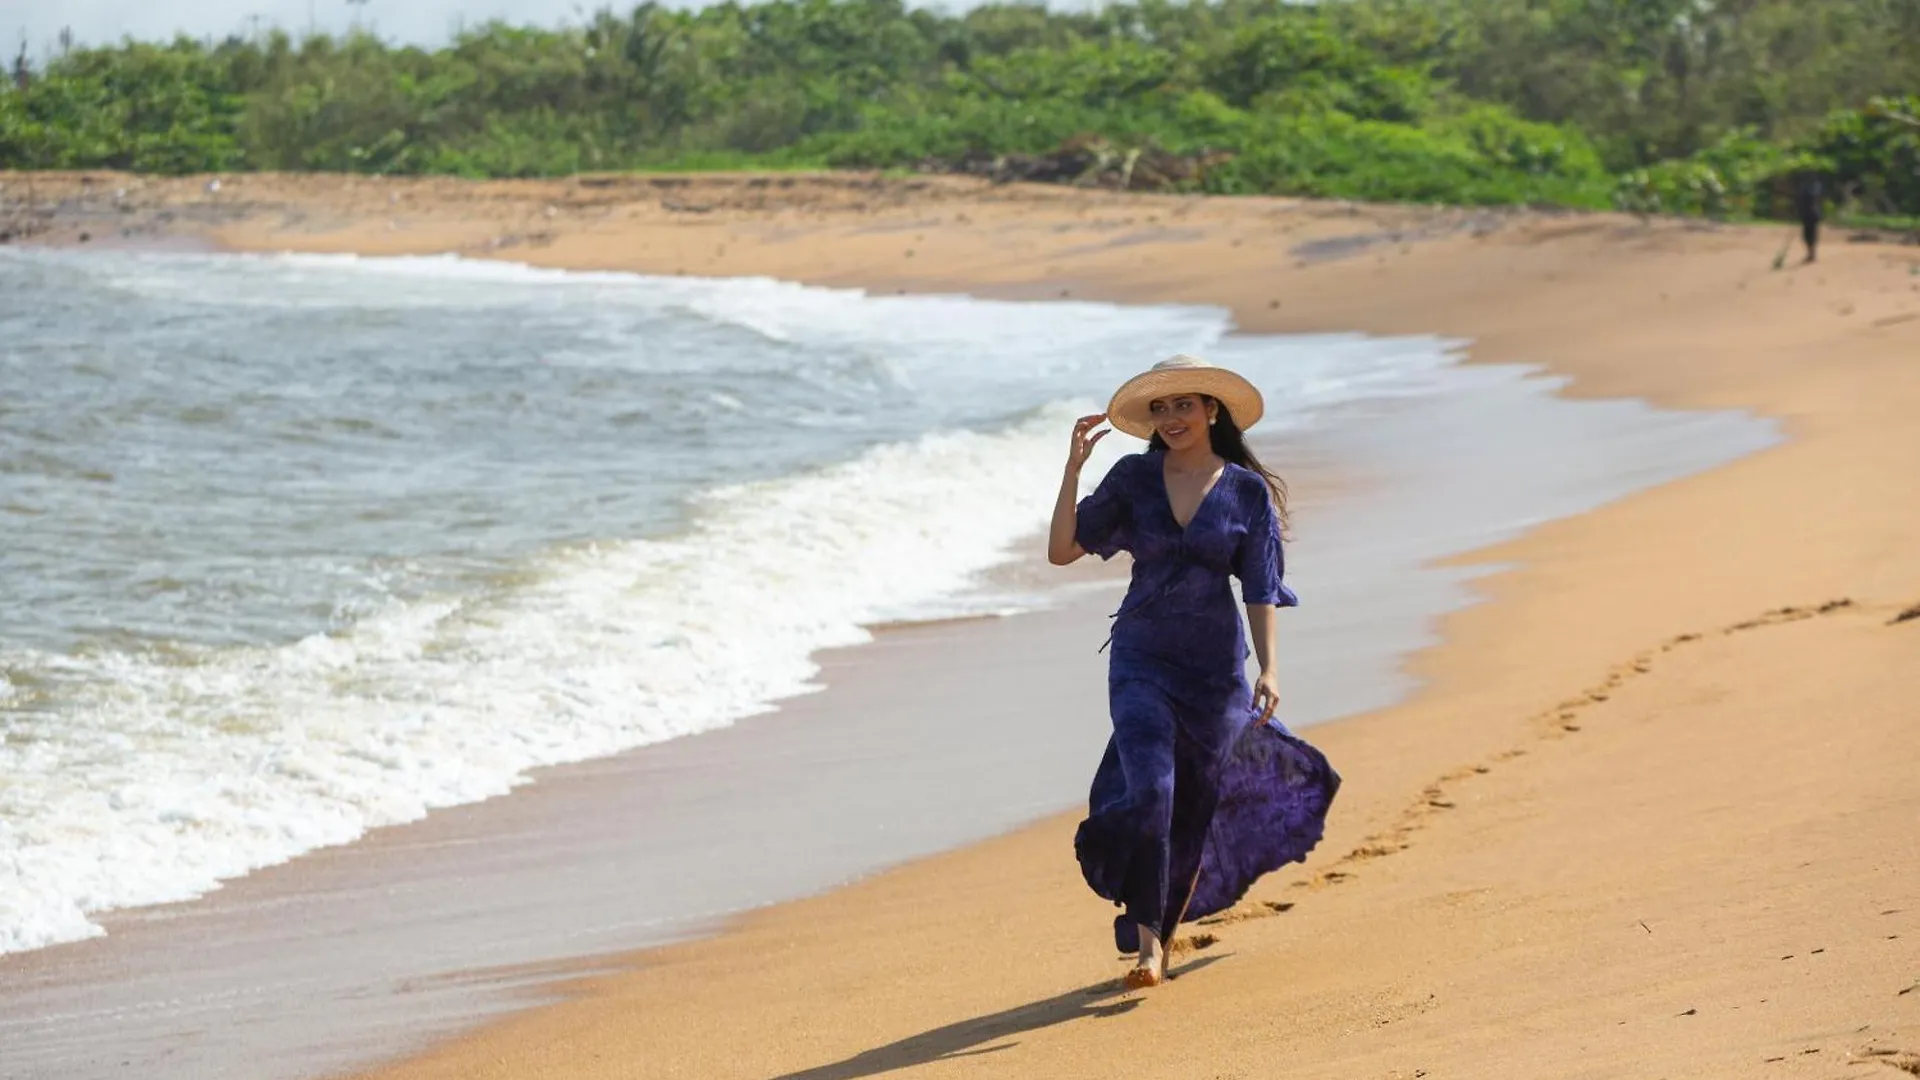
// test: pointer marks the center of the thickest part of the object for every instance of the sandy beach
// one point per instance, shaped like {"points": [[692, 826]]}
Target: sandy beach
{"points": [[1652, 812]]}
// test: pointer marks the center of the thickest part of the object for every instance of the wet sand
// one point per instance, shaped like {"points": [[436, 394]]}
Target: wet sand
{"points": [[1652, 812]]}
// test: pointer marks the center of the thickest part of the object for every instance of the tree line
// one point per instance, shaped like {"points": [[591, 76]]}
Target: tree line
{"points": [[1689, 106]]}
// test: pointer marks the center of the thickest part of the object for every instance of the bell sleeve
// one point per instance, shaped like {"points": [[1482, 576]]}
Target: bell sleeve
{"points": [[1261, 563], [1102, 520]]}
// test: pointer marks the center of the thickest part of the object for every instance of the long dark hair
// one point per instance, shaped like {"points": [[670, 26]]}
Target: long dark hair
{"points": [[1231, 444]]}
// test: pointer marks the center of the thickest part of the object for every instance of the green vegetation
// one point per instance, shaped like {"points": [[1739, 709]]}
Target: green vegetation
{"points": [[1687, 106]]}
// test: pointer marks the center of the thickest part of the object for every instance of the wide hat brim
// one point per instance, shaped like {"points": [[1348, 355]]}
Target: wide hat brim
{"points": [[1131, 408]]}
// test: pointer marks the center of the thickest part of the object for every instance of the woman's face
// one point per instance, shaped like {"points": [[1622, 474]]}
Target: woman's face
{"points": [[1182, 420]]}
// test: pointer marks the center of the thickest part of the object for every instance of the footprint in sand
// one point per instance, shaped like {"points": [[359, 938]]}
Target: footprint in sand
{"points": [[1193, 943], [1264, 909], [1902, 1060]]}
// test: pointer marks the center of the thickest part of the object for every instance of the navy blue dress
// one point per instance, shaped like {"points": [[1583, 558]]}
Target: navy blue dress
{"points": [[1193, 800]]}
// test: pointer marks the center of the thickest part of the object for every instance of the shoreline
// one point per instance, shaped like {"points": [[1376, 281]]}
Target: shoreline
{"points": [[1500, 663]]}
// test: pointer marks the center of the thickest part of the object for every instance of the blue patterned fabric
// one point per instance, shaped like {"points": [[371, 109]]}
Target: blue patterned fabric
{"points": [[1193, 801]]}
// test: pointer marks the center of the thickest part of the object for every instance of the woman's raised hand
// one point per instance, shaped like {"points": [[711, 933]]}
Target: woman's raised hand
{"points": [[1082, 447]]}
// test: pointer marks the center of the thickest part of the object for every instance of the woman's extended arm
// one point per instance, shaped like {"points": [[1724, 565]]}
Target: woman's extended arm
{"points": [[1264, 621], [1062, 548]]}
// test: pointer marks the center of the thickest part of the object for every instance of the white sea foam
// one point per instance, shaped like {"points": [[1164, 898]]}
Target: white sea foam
{"points": [[170, 776]]}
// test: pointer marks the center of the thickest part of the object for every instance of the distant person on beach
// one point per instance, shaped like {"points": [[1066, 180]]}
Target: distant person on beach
{"points": [[1201, 790], [1807, 196]]}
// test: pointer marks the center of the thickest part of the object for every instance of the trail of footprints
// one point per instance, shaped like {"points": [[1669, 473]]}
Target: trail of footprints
{"points": [[1556, 722]]}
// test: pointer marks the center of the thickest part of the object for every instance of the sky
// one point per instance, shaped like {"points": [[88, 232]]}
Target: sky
{"points": [[423, 22]]}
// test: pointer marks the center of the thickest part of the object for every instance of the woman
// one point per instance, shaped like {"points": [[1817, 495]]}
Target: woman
{"points": [[1201, 791]]}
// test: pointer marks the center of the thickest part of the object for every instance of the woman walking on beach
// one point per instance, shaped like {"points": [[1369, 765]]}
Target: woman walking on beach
{"points": [[1201, 791]]}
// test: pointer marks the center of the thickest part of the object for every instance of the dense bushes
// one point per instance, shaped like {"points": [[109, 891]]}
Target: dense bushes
{"points": [[144, 107], [1872, 155], [1875, 153], [1734, 176], [1487, 157], [1690, 106]]}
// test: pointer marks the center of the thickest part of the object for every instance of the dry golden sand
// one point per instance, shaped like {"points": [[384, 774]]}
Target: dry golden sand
{"points": [[1656, 813]]}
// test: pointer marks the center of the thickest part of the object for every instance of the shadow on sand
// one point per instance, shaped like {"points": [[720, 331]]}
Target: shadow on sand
{"points": [[967, 1038]]}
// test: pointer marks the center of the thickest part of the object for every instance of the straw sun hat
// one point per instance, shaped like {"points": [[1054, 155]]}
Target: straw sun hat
{"points": [[1130, 410]]}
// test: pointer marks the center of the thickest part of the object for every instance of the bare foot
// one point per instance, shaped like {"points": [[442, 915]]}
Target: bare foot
{"points": [[1152, 968], [1142, 977]]}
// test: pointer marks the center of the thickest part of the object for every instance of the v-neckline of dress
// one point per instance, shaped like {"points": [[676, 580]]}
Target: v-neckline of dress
{"points": [[1166, 495]]}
